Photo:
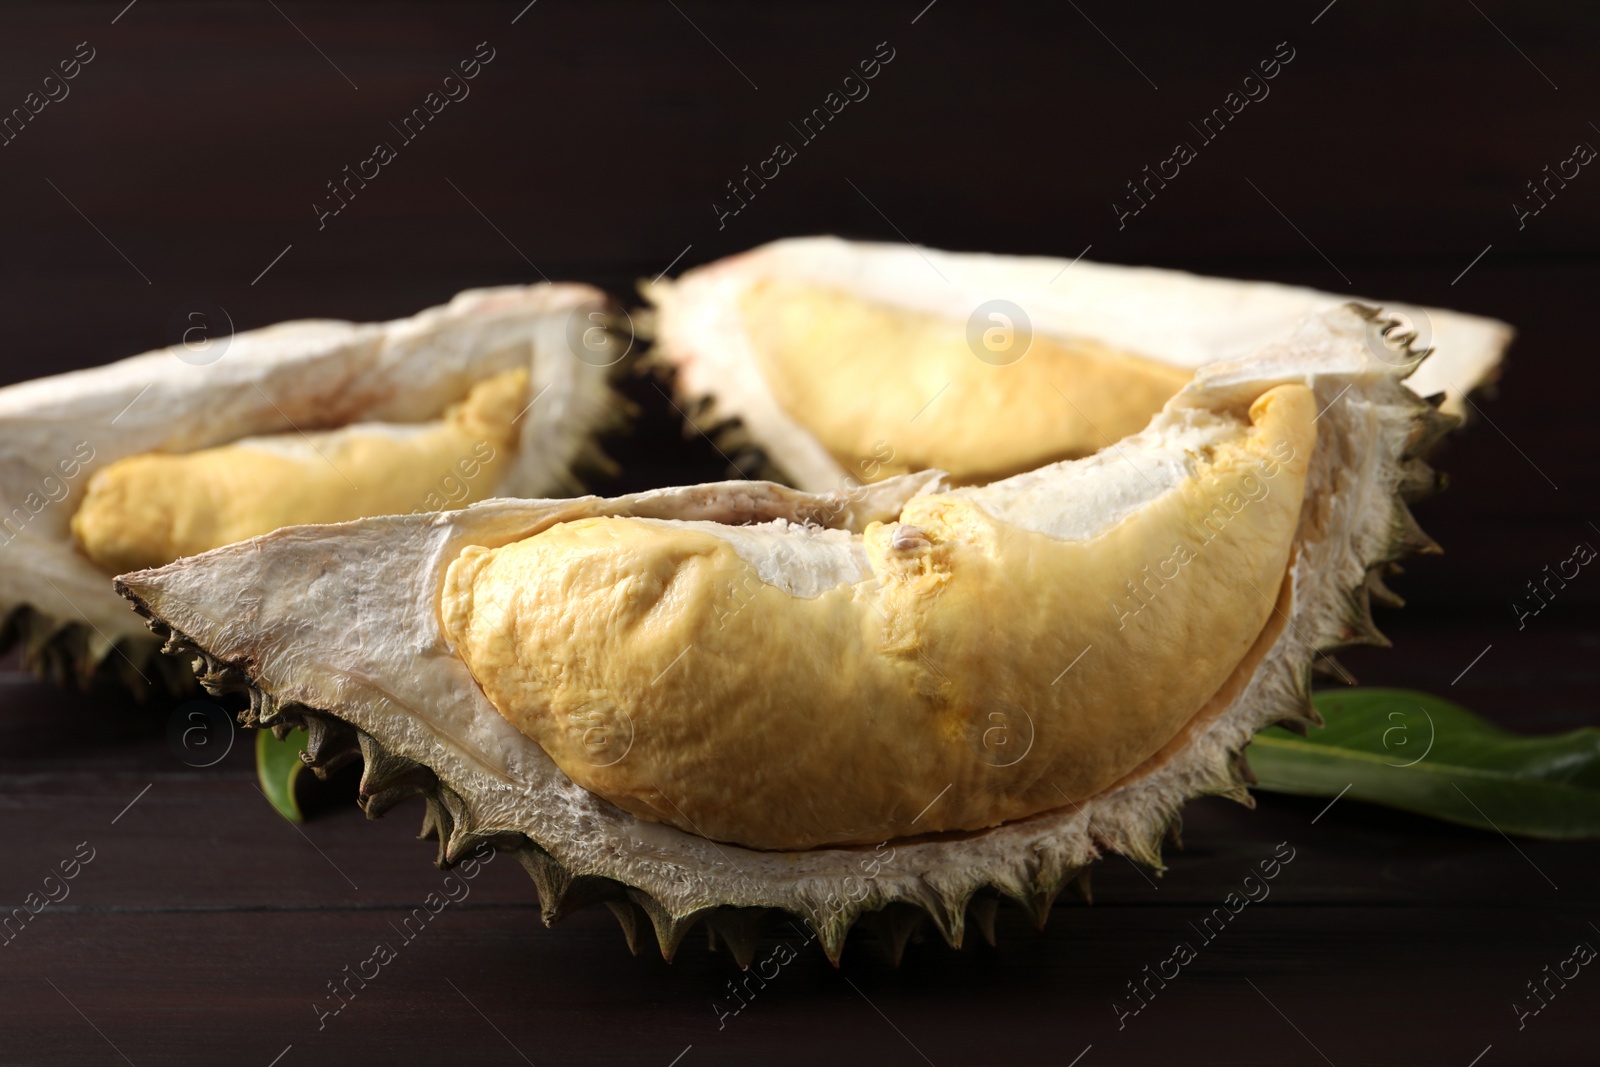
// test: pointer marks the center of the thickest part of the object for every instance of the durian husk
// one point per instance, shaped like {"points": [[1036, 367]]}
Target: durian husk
{"points": [[303, 375], [1171, 317], [383, 681]]}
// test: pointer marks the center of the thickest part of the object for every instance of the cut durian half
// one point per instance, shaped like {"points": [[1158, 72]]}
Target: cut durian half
{"points": [[499, 392], [380, 637], [845, 362]]}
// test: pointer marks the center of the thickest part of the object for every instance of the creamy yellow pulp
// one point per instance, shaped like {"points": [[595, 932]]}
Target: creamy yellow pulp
{"points": [[888, 390], [148, 510], [660, 672]]}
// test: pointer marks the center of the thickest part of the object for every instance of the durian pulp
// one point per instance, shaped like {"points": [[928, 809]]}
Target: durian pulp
{"points": [[968, 671], [889, 390], [148, 510]]}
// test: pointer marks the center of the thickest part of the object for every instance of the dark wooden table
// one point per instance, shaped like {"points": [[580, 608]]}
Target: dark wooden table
{"points": [[181, 170]]}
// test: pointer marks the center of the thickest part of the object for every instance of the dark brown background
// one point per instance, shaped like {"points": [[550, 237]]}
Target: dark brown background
{"points": [[596, 141]]}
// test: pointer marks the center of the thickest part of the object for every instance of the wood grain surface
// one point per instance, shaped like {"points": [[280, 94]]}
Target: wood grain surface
{"points": [[180, 170]]}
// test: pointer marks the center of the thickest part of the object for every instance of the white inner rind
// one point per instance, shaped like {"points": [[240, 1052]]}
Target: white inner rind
{"points": [[309, 447], [802, 560], [1109, 485]]}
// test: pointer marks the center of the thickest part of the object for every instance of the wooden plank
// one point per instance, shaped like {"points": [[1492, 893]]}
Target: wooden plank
{"points": [[1361, 985]]}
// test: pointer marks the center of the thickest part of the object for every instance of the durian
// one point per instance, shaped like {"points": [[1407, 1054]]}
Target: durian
{"points": [[844, 362], [709, 702], [134, 464]]}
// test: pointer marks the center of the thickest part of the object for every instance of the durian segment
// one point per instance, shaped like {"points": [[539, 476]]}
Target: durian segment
{"points": [[340, 623], [930, 693], [867, 379], [715, 325], [57, 433], [149, 509]]}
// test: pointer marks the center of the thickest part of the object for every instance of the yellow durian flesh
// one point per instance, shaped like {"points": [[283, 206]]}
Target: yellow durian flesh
{"points": [[888, 390], [150, 509], [734, 710]]}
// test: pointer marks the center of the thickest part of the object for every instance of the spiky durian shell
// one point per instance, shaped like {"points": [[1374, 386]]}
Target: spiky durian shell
{"points": [[581, 850], [292, 376]]}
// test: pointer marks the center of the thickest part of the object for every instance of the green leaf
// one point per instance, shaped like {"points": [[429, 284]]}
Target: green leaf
{"points": [[278, 764], [1419, 753]]}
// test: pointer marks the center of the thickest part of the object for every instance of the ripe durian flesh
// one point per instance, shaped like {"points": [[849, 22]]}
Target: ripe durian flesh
{"points": [[916, 646], [847, 362], [822, 353], [365, 633], [156, 455], [149, 509]]}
